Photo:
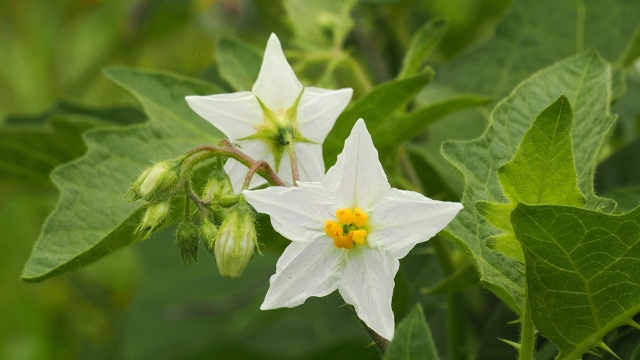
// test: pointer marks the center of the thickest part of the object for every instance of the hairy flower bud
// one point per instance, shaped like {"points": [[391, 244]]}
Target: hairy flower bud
{"points": [[154, 217], [187, 237], [156, 182], [235, 241], [218, 185], [208, 231]]}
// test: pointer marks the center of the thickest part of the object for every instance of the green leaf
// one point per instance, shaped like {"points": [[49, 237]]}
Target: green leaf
{"points": [[320, 24], [541, 172], [32, 146], [92, 218], [412, 340], [585, 78], [376, 109], [391, 134], [582, 271], [422, 44], [522, 44], [239, 63]]}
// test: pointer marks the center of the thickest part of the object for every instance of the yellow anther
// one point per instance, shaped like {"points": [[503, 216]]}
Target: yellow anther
{"points": [[360, 217], [358, 236], [345, 216], [330, 227]]}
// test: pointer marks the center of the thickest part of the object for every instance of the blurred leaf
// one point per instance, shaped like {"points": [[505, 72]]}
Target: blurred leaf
{"points": [[239, 63], [627, 198], [32, 146], [376, 109], [391, 134], [92, 218], [196, 314], [412, 340], [522, 44], [628, 110], [320, 24], [498, 327], [581, 271], [479, 160], [463, 278], [422, 44], [622, 169], [541, 172]]}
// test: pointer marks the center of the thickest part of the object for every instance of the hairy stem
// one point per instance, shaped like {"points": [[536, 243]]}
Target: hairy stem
{"points": [[226, 149], [294, 164], [252, 171], [527, 335]]}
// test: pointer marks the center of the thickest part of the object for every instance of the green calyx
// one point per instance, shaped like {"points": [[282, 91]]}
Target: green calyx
{"points": [[280, 130]]}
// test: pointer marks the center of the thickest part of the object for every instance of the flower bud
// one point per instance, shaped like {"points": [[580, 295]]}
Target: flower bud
{"points": [[208, 231], [235, 241], [187, 240], [154, 217], [218, 185], [156, 182]]}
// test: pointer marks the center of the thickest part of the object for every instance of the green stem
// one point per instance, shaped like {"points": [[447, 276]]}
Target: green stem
{"points": [[294, 163], [527, 335]]}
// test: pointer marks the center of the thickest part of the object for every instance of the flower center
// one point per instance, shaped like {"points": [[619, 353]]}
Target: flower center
{"points": [[348, 229]]}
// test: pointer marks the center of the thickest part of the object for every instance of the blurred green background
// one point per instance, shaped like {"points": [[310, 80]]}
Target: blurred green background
{"points": [[142, 302]]}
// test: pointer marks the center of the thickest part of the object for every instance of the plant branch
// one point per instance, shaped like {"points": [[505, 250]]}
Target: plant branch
{"points": [[226, 149], [527, 334]]}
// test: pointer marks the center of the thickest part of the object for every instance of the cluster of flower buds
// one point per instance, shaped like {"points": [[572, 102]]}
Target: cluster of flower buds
{"points": [[222, 221]]}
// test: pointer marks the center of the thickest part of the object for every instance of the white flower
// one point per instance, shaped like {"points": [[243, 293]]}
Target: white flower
{"points": [[348, 233], [277, 110]]}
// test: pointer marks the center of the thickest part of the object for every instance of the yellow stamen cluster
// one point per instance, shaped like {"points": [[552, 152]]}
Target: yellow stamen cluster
{"points": [[348, 229]]}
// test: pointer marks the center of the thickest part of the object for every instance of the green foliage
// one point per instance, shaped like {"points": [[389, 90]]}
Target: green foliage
{"points": [[92, 218], [32, 146], [239, 63], [320, 24], [582, 267], [376, 109], [522, 43], [480, 159], [412, 340], [541, 172], [422, 44]]}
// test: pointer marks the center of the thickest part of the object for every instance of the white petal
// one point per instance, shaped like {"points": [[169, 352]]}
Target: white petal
{"points": [[403, 219], [367, 284], [256, 150], [277, 85], [237, 115], [303, 270], [319, 109], [310, 161], [297, 213], [357, 177]]}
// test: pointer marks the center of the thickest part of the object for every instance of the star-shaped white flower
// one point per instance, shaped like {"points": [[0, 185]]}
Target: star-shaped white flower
{"points": [[348, 233], [278, 110]]}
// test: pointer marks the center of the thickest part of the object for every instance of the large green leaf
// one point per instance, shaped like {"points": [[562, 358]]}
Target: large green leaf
{"points": [[92, 218], [541, 172], [376, 109], [239, 63], [585, 80], [32, 146], [412, 340], [583, 268]]}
